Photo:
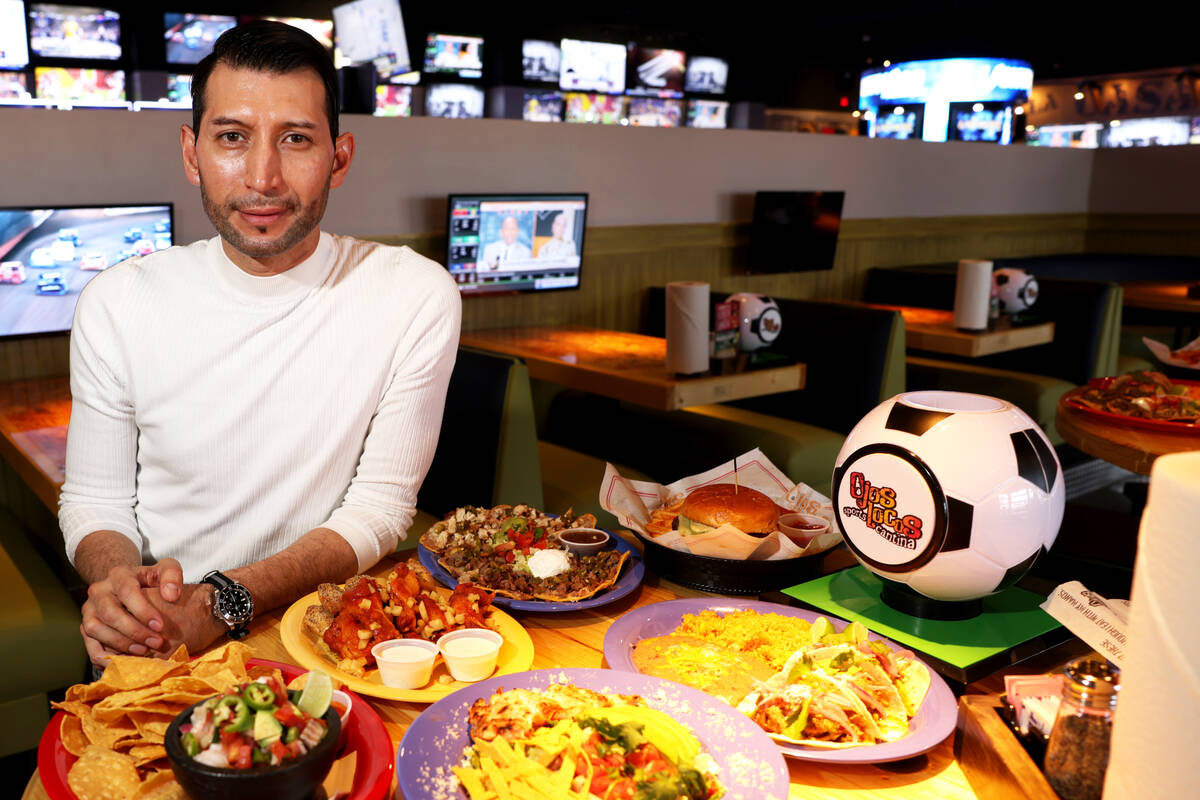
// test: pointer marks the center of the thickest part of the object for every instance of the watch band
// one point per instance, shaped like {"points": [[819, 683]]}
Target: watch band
{"points": [[232, 603]]}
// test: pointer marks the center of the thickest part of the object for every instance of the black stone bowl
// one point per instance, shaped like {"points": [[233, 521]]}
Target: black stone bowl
{"points": [[295, 778]]}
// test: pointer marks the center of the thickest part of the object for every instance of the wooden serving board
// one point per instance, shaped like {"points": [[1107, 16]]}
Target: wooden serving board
{"points": [[995, 763]]}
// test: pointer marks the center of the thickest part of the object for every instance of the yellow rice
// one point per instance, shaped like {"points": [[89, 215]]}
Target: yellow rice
{"points": [[771, 637]]}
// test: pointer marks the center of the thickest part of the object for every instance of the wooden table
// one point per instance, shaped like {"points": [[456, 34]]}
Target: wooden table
{"points": [[933, 329], [625, 366], [575, 639], [1161, 296], [1129, 447]]}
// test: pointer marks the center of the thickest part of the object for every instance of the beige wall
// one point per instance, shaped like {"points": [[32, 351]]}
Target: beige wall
{"points": [[636, 176]]}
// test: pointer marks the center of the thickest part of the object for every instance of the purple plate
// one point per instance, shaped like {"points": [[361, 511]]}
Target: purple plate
{"points": [[934, 721], [750, 768], [630, 578]]}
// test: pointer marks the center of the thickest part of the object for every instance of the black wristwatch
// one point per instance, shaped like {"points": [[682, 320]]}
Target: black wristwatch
{"points": [[232, 603]]}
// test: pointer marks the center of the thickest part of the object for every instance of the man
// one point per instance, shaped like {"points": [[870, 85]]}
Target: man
{"points": [[264, 403], [560, 245], [497, 254]]}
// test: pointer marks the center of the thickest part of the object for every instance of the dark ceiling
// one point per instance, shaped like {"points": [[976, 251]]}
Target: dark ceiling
{"points": [[797, 54]]}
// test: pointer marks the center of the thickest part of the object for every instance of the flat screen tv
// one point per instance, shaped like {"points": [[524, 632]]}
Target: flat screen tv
{"points": [[47, 255], [14, 49], [80, 86], [980, 122], [707, 113], [451, 54], [190, 37], [541, 61], [14, 85], [541, 106], [57, 31], [597, 109], [794, 231], [900, 122], [706, 75], [392, 100], [592, 67], [372, 31], [515, 242], [655, 112], [454, 100], [655, 72], [319, 29]]}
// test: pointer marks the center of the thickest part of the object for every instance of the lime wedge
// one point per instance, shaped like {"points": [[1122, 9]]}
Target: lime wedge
{"points": [[317, 694]]}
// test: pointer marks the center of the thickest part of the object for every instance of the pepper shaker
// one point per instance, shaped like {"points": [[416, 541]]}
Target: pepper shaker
{"points": [[1077, 754]]}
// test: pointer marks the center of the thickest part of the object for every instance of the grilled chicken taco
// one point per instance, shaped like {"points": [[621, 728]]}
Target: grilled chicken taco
{"points": [[816, 711]]}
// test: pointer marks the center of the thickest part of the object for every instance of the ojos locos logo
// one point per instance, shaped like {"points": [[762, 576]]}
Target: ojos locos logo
{"points": [[890, 508]]}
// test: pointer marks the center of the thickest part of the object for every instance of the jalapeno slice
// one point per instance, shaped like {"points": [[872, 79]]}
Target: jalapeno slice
{"points": [[240, 716], [259, 696]]}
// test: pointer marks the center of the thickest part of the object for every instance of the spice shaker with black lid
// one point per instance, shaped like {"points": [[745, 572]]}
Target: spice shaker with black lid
{"points": [[1077, 754]]}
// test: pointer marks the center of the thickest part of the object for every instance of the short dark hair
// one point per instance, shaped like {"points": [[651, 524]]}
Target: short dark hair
{"points": [[267, 46]]}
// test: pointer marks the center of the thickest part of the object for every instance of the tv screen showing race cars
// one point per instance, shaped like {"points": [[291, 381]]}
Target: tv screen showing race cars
{"points": [[455, 55], [515, 243], [74, 32], [14, 50], [47, 255], [190, 37]]}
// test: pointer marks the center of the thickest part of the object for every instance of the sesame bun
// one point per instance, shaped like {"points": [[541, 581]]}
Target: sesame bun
{"points": [[748, 510]]}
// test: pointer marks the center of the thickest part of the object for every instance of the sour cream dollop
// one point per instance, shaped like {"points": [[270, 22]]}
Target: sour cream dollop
{"points": [[548, 563]]}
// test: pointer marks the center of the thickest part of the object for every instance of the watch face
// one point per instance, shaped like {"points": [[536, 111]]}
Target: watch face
{"points": [[235, 604]]}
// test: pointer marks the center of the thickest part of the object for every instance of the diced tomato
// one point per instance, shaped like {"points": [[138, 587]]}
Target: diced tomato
{"points": [[623, 789], [279, 750], [600, 782], [540, 544], [508, 557], [288, 714], [244, 753], [644, 755]]}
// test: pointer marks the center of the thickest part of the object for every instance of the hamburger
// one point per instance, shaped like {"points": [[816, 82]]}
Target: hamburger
{"points": [[717, 504]]}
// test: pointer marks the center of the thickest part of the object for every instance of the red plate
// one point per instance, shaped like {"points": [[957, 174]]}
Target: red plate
{"points": [[1160, 425], [365, 736]]}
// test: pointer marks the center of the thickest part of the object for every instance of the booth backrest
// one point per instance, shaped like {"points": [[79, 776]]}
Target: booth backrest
{"points": [[853, 356], [1086, 316], [487, 451]]}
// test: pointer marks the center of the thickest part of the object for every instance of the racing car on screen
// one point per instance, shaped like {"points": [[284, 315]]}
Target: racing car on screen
{"points": [[51, 283], [12, 272], [94, 261]]}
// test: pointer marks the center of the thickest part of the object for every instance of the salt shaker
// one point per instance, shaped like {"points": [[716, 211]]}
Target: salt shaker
{"points": [[1077, 754]]}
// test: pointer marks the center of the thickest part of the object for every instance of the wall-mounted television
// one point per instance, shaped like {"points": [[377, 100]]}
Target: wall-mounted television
{"points": [[707, 113], [319, 29], [515, 242], [190, 37], [980, 122], [392, 100], [542, 106], [58, 31], [655, 71], [454, 100], [655, 112], [80, 86], [14, 49], [372, 31], [448, 53], [706, 75], [597, 109], [899, 122], [14, 85], [794, 231], [47, 255], [540, 60], [592, 67]]}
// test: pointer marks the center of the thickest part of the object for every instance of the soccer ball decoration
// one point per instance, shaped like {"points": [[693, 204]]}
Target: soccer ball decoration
{"points": [[1016, 289], [953, 495], [759, 320]]}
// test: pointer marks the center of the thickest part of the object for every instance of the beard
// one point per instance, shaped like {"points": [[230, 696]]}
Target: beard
{"points": [[305, 220]]}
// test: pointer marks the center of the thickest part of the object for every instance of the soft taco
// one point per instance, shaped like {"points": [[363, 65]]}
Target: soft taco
{"points": [[816, 711]]}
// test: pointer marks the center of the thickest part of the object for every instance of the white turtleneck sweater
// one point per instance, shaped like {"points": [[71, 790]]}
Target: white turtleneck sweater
{"points": [[217, 416]]}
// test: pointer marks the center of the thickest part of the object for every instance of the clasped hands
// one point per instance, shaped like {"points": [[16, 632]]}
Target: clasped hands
{"points": [[147, 610]]}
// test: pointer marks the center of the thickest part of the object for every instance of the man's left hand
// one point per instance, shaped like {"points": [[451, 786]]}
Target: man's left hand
{"points": [[189, 620]]}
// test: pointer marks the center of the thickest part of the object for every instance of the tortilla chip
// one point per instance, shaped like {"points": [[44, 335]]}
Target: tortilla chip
{"points": [[145, 753], [72, 736], [587, 591], [160, 786], [153, 727], [107, 733], [101, 774], [135, 672]]}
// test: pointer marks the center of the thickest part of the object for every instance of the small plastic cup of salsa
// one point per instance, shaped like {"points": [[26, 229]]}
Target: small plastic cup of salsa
{"points": [[802, 528]]}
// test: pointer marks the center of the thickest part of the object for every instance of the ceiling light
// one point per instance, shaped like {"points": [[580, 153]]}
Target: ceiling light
{"points": [[977, 107], [1079, 95], [1030, 129], [898, 110], [1116, 123], [887, 63], [1019, 110], [856, 113]]}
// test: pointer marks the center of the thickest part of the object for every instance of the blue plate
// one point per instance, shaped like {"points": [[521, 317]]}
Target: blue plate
{"points": [[750, 765], [632, 572], [934, 721]]}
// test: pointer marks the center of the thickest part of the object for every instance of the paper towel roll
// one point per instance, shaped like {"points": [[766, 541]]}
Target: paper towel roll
{"points": [[972, 294], [1157, 723], [687, 327]]}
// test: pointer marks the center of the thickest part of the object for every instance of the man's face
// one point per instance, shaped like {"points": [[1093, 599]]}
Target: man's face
{"points": [[508, 230], [559, 226], [264, 162]]}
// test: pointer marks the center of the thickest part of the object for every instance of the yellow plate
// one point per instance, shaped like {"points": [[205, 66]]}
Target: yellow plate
{"points": [[516, 655]]}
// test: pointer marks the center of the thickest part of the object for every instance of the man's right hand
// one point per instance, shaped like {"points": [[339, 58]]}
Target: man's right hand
{"points": [[117, 618]]}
